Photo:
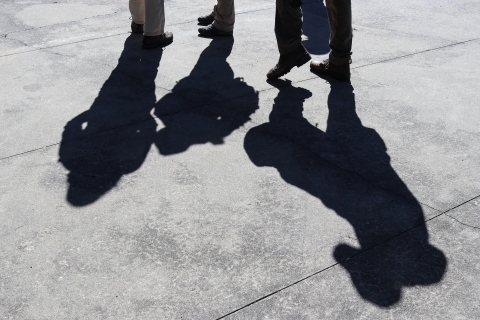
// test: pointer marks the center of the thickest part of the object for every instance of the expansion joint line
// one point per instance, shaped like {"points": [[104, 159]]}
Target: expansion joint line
{"points": [[97, 38], [416, 53], [205, 105], [457, 206], [57, 24], [355, 255]]}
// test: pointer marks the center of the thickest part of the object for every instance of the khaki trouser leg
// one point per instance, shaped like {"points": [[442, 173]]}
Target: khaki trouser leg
{"points": [[224, 14], [137, 10], [150, 13]]}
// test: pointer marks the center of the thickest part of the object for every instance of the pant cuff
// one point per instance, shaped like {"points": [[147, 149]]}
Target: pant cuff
{"points": [[223, 28], [152, 34], [342, 60]]}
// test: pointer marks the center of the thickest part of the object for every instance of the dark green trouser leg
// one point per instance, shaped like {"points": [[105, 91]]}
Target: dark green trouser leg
{"points": [[288, 25], [340, 21]]}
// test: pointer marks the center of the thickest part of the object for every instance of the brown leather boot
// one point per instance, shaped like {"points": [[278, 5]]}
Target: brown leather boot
{"points": [[340, 72]]}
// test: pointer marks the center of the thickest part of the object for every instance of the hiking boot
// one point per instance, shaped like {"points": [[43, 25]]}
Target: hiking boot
{"points": [[340, 72], [211, 31], [137, 28], [206, 20], [297, 57], [163, 40]]}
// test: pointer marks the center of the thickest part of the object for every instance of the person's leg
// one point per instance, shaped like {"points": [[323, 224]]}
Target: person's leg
{"points": [[154, 34], [340, 21], [288, 30], [288, 25], [154, 17], [214, 10], [137, 10], [224, 15]]}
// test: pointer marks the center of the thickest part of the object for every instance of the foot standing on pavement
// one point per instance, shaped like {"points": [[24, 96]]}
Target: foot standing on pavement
{"points": [[288, 30], [148, 17], [220, 22], [340, 21]]}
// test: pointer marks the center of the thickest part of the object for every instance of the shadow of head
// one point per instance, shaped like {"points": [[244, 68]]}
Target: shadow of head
{"points": [[212, 79], [211, 74], [380, 274], [97, 162], [288, 95]]}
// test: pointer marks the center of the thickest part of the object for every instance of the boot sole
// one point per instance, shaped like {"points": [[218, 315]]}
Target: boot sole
{"points": [[209, 35], [215, 34], [300, 62], [161, 44], [339, 77]]}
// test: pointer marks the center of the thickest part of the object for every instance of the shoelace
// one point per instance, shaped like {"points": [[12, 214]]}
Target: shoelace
{"points": [[326, 62]]}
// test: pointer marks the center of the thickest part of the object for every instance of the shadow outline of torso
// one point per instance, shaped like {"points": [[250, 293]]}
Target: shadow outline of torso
{"points": [[113, 137], [345, 167]]}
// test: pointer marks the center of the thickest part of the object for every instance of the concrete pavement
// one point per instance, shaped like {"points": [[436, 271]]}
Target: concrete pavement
{"points": [[179, 184]]}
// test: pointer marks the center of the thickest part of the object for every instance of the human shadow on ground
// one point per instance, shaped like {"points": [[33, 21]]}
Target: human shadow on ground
{"points": [[299, 151], [316, 33], [98, 160], [113, 138], [211, 77]]}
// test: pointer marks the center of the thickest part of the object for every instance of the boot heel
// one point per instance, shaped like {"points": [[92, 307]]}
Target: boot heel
{"points": [[303, 60]]}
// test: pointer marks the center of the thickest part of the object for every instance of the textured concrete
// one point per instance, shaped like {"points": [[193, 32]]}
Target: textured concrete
{"points": [[329, 295], [179, 184]]}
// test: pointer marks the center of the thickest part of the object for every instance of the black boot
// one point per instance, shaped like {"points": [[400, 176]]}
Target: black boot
{"points": [[163, 40], [205, 20], [297, 57], [137, 28], [211, 31]]}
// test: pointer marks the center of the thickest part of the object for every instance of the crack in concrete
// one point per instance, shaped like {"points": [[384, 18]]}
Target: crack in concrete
{"points": [[463, 223]]}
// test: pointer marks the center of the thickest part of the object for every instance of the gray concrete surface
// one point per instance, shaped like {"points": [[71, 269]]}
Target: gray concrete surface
{"points": [[179, 184]]}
